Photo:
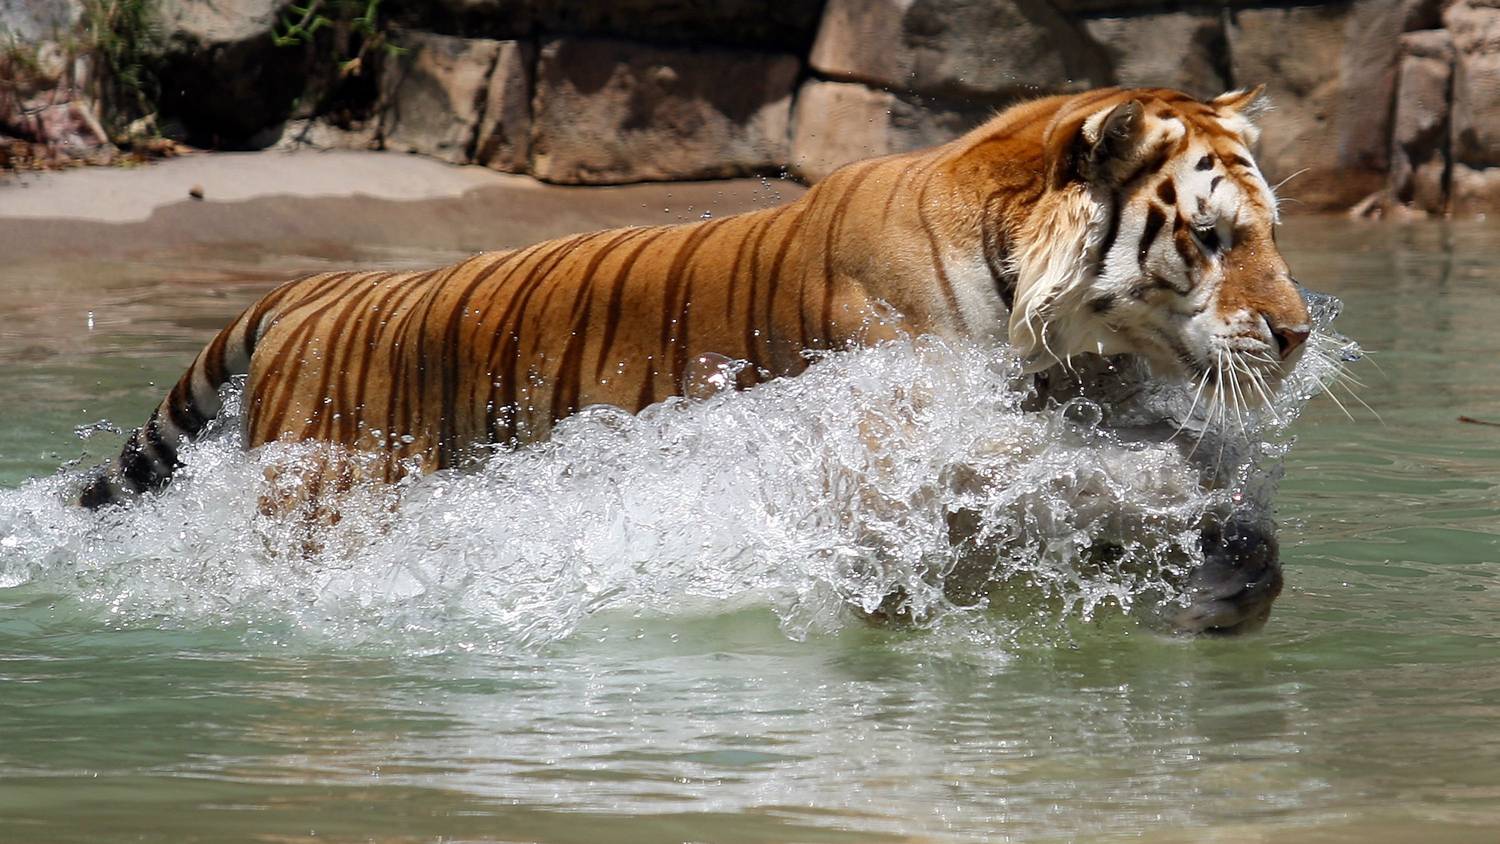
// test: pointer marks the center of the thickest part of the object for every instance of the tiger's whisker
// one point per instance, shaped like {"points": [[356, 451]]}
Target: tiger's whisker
{"points": [[1330, 394], [1279, 184], [1202, 382], [1234, 391], [1362, 402]]}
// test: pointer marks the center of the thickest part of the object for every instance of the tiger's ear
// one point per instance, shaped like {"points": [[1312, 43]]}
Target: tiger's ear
{"points": [[1094, 145], [1107, 144], [1244, 101], [1239, 110]]}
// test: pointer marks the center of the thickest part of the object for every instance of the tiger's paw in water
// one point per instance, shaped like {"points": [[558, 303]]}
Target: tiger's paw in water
{"points": [[1232, 591]]}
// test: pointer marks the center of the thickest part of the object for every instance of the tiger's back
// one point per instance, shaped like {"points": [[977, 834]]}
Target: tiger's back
{"points": [[499, 347], [437, 365]]}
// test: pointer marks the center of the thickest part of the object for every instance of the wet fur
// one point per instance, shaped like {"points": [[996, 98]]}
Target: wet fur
{"points": [[1005, 233]]}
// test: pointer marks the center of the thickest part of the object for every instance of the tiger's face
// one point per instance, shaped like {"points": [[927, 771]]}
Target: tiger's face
{"points": [[1180, 262]]}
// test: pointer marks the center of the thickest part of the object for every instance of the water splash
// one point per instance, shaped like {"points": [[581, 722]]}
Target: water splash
{"points": [[918, 470]]}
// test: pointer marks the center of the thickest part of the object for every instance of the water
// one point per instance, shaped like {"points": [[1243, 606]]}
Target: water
{"points": [[639, 632]]}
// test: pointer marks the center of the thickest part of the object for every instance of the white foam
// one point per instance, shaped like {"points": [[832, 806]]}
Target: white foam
{"points": [[806, 495]]}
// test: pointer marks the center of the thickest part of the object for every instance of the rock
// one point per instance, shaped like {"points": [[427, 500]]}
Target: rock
{"points": [[495, 19], [774, 25], [1419, 134], [990, 48], [459, 99], [1475, 28], [1116, 7], [503, 139], [34, 21], [1473, 190], [612, 111], [1297, 52], [319, 134], [220, 21], [1181, 50], [45, 82], [1367, 71], [222, 76], [835, 123]]}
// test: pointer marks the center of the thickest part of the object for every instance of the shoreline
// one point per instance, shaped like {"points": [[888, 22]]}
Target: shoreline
{"points": [[335, 196]]}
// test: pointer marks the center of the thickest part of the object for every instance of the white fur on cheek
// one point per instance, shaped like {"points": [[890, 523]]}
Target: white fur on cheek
{"points": [[1052, 266]]}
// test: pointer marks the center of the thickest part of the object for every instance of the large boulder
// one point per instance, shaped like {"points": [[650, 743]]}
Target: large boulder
{"points": [[988, 48], [775, 25], [495, 19], [35, 21], [503, 139], [1297, 52], [835, 123], [612, 111], [45, 83], [1419, 132], [459, 99], [1330, 71], [1182, 50], [1475, 28], [223, 78], [1367, 69]]}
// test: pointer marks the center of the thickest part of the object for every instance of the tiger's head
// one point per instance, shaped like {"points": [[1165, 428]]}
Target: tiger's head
{"points": [[1155, 235]]}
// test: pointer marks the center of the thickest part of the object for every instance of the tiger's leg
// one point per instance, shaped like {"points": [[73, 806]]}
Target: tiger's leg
{"points": [[339, 400], [314, 487]]}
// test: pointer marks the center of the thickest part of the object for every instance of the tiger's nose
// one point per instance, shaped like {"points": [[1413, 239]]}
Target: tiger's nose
{"points": [[1289, 339]]}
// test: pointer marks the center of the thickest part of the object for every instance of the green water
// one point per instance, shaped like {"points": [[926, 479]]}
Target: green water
{"points": [[1368, 709]]}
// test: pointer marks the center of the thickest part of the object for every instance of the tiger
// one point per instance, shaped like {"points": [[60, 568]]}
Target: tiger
{"points": [[1115, 221]]}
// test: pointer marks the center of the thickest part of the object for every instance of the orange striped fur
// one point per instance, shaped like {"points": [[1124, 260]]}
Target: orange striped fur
{"points": [[1030, 210]]}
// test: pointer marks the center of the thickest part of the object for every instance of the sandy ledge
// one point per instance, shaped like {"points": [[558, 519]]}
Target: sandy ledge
{"points": [[309, 197]]}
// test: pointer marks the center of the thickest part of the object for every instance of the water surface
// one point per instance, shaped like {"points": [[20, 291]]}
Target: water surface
{"points": [[164, 677]]}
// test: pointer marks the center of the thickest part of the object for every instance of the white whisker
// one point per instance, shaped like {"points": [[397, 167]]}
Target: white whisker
{"points": [[1370, 356], [1214, 404], [1362, 402], [1342, 374], [1234, 391], [1329, 393], [1278, 185], [1202, 382], [1257, 380]]}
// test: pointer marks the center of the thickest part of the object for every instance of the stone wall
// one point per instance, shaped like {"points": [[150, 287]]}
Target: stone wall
{"points": [[1382, 103]]}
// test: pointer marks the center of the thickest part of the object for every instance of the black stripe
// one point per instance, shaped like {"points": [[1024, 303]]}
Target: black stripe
{"points": [[1155, 219], [1184, 240], [98, 493], [182, 407], [165, 454], [1161, 282], [1168, 192], [993, 241], [1117, 208], [135, 466]]}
